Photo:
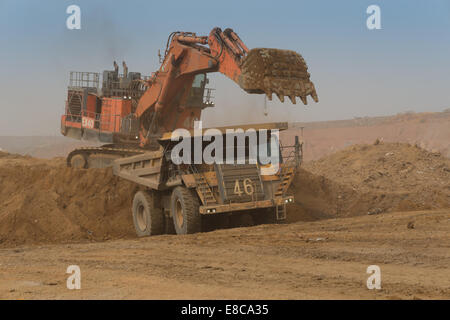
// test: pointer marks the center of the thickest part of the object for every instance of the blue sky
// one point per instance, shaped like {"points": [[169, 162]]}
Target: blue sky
{"points": [[357, 72]]}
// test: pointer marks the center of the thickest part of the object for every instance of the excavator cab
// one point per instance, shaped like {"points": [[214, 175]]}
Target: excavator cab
{"points": [[199, 95]]}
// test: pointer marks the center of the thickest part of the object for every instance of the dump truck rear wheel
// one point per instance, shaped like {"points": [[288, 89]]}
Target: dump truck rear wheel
{"points": [[78, 161], [148, 220], [184, 206]]}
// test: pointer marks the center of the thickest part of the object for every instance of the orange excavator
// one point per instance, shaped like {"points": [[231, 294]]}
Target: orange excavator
{"points": [[129, 112]]}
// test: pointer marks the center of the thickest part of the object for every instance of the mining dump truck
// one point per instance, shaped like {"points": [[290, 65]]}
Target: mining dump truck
{"points": [[177, 195]]}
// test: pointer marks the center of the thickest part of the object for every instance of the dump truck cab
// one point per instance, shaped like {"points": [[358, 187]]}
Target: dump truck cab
{"points": [[220, 171]]}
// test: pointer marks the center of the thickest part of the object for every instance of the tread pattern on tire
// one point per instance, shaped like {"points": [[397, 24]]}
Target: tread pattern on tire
{"points": [[155, 218], [190, 204]]}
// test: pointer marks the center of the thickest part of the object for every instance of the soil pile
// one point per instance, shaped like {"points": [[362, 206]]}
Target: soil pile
{"points": [[370, 179], [44, 201]]}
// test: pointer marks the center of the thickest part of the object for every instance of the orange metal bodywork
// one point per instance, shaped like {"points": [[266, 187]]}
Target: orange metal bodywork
{"points": [[91, 104], [113, 110], [68, 123]]}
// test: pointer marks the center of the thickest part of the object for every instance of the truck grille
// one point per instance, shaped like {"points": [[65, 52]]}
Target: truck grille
{"points": [[239, 183]]}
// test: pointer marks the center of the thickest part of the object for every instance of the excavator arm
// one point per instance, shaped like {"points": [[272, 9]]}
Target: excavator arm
{"points": [[164, 105]]}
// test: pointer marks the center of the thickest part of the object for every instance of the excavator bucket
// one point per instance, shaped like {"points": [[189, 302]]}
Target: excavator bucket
{"points": [[282, 72]]}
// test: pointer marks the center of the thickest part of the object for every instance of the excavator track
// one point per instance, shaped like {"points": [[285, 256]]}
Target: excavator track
{"points": [[99, 157]]}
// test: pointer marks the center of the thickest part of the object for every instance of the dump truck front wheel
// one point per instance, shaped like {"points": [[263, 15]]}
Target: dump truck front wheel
{"points": [[147, 218], [184, 207]]}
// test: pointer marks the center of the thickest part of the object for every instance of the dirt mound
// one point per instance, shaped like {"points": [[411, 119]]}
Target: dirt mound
{"points": [[430, 130], [371, 179], [44, 201], [6, 155]]}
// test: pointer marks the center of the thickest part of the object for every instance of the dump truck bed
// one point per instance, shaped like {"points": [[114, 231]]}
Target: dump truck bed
{"points": [[144, 169]]}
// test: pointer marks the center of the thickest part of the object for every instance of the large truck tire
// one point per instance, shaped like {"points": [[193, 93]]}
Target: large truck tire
{"points": [[184, 207], [147, 218]]}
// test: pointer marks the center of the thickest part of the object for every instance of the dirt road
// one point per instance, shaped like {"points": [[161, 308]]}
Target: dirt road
{"points": [[325, 259]]}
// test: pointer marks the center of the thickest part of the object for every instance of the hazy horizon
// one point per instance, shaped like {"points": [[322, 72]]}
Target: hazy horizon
{"points": [[357, 72]]}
